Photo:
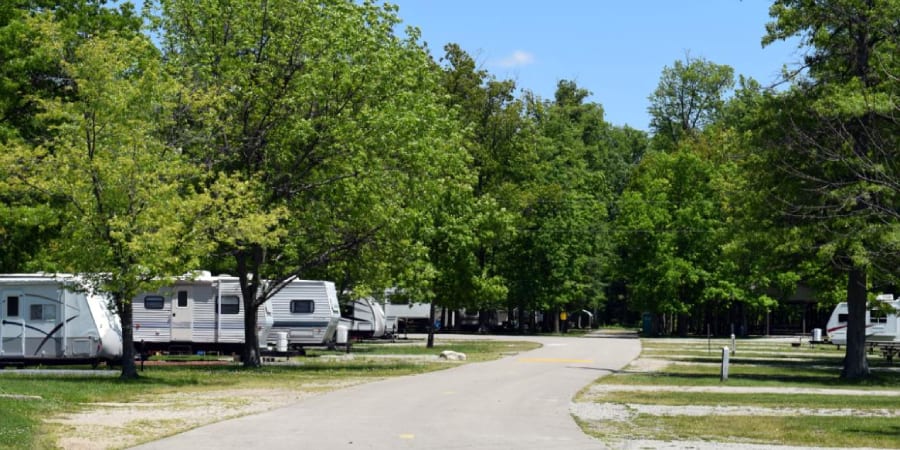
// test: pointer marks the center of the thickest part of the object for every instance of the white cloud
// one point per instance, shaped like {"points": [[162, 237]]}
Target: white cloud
{"points": [[517, 59]]}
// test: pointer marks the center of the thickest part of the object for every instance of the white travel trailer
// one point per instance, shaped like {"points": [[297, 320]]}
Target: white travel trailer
{"points": [[402, 317], [305, 313], [368, 319], [204, 313], [56, 319], [882, 322]]}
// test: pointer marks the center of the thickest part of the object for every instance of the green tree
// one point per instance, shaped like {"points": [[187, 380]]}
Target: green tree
{"points": [[476, 225], [670, 231], [690, 96], [128, 216], [555, 262], [331, 122], [834, 144], [30, 72]]}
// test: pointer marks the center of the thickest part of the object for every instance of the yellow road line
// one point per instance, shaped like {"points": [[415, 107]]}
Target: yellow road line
{"points": [[555, 360]]}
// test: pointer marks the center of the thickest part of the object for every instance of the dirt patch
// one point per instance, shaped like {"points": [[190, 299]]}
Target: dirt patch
{"points": [[625, 412], [120, 425], [601, 388], [648, 365]]}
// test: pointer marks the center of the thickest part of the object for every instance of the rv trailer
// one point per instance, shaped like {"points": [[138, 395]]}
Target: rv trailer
{"points": [[305, 314], [882, 322], [367, 319], [407, 317], [204, 313], [56, 319]]}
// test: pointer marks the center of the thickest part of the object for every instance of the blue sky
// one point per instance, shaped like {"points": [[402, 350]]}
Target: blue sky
{"points": [[615, 49]]}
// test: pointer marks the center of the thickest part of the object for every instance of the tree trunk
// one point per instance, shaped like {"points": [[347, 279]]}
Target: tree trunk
{"points": [[250, 354], [129, 369], [250, 284], [856, 365], [682, 324], [430, 343]]}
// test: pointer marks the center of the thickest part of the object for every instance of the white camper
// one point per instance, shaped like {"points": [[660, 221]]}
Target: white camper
{"points": [[55, 319], [204, 313], [403, 317], [368, 319], [306, 313], [882, 322]]}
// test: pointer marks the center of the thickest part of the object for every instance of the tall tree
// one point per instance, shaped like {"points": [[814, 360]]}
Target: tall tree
{"points": [[490, 116], [690, 96], [30, 72], [330, 120], [555, 261], [835, 143], [129, 214], [670, 232]]}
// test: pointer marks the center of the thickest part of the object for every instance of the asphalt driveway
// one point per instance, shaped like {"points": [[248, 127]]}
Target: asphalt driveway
{"points": [[518, 402]]}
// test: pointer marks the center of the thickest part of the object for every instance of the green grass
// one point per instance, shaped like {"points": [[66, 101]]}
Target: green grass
{"points": [[811, 401], [756, 364], [21, 420], [474, 350], [757, 374], [847, 432]]}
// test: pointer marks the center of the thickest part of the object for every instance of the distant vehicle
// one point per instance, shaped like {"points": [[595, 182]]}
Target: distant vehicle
{"points": [[305, 313], [193, 314], [56, 319], [882, 322], [407, 317]]}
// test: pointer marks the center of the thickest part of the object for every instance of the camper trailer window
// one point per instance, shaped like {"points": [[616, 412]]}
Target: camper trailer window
{"points": [[231, 304], [12, 306], [303, 306], [42, 312], [842, 318], [182, 299], [153, 302], [877, 316]]}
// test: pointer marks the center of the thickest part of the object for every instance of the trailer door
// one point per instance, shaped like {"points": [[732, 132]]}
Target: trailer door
{"points": [[182, 315], [12, 327]]}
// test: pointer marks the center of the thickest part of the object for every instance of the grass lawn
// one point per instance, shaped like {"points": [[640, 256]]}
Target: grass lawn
{"points": [[771, 377], [26, 401]]}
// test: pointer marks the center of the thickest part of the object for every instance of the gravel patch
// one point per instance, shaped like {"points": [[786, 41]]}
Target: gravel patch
{"points": [[113, 425], [754, 356], [601, 388], [642, 444], [648, 365], [21, 397], [626, 412]]}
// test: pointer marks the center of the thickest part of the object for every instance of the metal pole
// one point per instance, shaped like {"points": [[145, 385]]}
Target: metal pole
{"points": [[724, 373]]}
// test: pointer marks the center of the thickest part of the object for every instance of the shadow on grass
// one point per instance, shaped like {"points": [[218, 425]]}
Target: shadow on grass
{"points": [[826, 378], [891, 432]]}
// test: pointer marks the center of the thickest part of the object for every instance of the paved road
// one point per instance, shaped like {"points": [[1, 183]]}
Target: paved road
{"points": [[519, 402]]}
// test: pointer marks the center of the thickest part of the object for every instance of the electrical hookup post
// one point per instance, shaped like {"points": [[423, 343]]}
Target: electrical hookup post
{"points": [[724, 373]]}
